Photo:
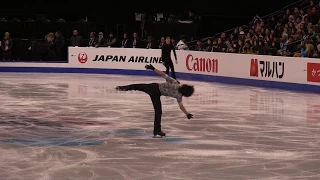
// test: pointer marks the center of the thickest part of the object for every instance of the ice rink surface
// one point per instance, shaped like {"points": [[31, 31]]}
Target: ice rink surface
{"points": [[76, 126]]}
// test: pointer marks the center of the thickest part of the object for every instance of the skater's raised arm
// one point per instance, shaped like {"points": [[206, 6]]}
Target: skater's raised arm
{"points": [[160, 73], [149, 66]]}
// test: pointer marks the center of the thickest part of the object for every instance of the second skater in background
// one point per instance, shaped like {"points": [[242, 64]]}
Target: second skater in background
{"points": [[166, 57]]}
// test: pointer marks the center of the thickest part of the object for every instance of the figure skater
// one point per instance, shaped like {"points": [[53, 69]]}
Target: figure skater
{"points": [[166, 57], [170, 88]]}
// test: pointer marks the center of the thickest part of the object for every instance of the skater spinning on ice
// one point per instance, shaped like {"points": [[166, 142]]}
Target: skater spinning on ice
{"points": [[166, 57], [171, 88]]}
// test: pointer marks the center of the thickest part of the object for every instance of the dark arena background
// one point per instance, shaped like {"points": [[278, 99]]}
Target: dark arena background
{"points": [[254, 66]]}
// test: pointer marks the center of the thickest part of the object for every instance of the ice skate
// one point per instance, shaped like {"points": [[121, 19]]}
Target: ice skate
{"points": [[160, 133]]}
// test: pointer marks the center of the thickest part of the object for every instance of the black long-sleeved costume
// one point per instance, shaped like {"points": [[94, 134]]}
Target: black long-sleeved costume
{"points": [[166, 58], [166, 51]]}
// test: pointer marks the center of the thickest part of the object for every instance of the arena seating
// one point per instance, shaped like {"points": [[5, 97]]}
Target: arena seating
{"points": [[292, 31]]}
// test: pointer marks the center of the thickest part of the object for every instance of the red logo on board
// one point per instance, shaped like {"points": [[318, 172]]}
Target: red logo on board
{"points": [[201, 64], [313, 72], [254, 68], [82, 57]]}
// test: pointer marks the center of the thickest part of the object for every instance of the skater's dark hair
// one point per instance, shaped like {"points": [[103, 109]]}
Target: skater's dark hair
{"points": [[186, 90]]}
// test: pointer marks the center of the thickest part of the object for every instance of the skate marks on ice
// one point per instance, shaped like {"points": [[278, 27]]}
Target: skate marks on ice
{"points": [[79, 127]]}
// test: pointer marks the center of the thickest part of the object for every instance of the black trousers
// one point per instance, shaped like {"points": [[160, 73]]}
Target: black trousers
{"points": [[153, 91], [169, 65]]}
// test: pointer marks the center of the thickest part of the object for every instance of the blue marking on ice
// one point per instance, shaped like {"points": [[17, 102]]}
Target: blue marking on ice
{"points": [[54, 141]]}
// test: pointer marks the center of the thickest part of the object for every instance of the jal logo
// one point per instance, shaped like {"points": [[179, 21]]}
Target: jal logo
{"points": [[266, 69], [82, 57], [313, 72]]}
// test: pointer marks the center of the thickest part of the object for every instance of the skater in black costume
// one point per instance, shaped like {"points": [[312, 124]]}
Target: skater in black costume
{"points": [[166, 57], [170, 88]]}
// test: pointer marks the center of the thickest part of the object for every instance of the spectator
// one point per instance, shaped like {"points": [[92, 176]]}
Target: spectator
{"points": [[76, 39], [310, 34], [198, 46], [46, 49], [182, 44], [125, 43], [208, 46], [311, 6], [310, 50], [255, 22], [223, 37], [296, 13], [150, 43], [241, 35], [232, 38], [298, 22], [240, 46], [92, 40], [314, 16], [255, 49], [174, 43], [231, 48], [6, 45], [111, 40], [273, 23], [59, 41], [302, 14], [317, 53], [283, 45], [100, 40], [247, 48], [135, 43], [59, 45], [221, 47], [261, 48], [162, 41]]}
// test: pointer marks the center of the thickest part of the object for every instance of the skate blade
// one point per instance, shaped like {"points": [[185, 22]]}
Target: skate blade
{"points": [[157, 136]]}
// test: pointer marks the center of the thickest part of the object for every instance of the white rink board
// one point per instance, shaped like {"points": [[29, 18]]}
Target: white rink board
{"points": [[219, 66]]}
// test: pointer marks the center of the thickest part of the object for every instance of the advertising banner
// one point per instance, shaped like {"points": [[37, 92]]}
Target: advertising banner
{"points": [[114, 58], [313, 72], [243, 66]]}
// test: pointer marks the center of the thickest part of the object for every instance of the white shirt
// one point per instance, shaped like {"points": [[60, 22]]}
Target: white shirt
{"points": [[182, 46]]}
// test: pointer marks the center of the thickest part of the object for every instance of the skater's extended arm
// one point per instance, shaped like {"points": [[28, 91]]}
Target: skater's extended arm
{"points": [[183, 109], [160, 72]]}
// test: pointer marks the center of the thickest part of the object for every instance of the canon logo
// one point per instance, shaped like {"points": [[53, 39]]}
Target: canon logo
{"points": [[201, 64]]}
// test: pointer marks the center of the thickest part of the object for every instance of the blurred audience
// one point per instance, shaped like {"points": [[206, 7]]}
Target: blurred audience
{"points": [[295, 33]]}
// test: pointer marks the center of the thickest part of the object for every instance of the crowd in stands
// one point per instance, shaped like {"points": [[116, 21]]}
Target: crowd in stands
{"points": [[53, 46], [293, 34]]}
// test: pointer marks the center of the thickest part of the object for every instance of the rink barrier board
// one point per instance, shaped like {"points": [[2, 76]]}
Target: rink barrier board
{"points": [[183, 76]]}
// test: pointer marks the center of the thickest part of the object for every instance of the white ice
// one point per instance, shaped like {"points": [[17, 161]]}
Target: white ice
{"points": [[77, 126]]}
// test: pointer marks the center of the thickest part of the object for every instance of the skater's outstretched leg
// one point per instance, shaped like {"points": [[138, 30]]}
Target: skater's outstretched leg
{"points": [[137, 87]]}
